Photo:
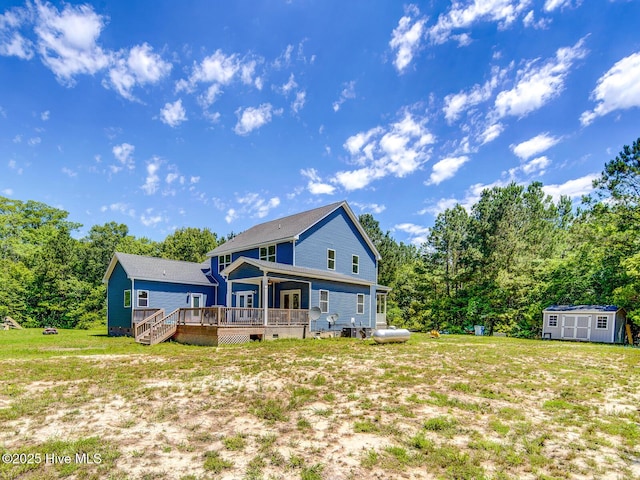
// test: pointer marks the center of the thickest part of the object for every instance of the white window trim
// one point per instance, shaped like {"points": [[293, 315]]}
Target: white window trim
{"points": [[124, 299], [549, 321], [360, 304], [606, 319], [320, 301], [355, 262], [331, 259], [266, 257], [222, 264], [138, 298]]}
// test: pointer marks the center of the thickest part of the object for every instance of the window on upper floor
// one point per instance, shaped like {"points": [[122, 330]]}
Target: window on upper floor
{"points": [[355, 264], [224, 261], [360, 304], [324, 301], [268, 253], [127, 299], [143, 298], [331, 259]]}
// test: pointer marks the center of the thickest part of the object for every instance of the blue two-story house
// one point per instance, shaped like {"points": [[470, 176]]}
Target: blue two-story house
{"points": [[319, 267]]}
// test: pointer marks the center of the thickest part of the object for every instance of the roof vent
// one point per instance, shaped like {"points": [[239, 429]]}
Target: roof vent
{"points": [[164, 273], [279, 226]]}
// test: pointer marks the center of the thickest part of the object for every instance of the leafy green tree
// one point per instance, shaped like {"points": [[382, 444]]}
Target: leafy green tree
{"points": [[189, 244]]}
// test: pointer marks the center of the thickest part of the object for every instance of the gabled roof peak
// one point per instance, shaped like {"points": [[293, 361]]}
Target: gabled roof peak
{"points": [[285, 229]]}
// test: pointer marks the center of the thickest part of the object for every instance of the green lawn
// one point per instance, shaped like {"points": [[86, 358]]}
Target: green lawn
{"points": [[455, 407]]}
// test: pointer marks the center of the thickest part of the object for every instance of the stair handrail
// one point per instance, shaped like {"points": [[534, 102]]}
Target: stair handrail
{"points": [[142, 327], [164, 328]]}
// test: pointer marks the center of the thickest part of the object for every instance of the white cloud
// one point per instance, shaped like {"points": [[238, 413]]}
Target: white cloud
{"points": [[456, 104], [398, 150], [491, 133], [45, 115], [150, 220], [231, 215], [124, 154], [67, 40], [348, 92], [12, 43], [140, 67], [256, 206], [194, 180], [406, 37], [120, 207], [464, 16], [152, 182], [315, 185], [572, 188], [17, 139], [417, 234], [530, 21], [172, 177], [537, 165], [251, 118], [33, 141], [551, 5], [617, 89], [7, 191], [445, 169], [371, 207], [173, 114], [534, 146], [289, 86], [440, 206], [299, 101], [216, 68], [70, 173], [538, 84]]}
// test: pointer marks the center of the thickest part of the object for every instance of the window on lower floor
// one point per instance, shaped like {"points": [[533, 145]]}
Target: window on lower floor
{"points": [[143, 298], [602, 322], [224, 261], [381, 303], [127, 299], [553, 321], [360, 306], [324, 301], [268, 253]]}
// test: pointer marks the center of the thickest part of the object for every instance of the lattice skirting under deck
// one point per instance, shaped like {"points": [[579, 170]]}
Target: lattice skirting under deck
{"points": [[231, 339]]}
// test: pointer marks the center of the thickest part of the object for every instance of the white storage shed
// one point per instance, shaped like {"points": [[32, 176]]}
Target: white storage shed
{"points": [[589, 323]]}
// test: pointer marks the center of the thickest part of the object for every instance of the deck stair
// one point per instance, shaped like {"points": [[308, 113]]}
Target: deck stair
{"points": [[157, 327]]}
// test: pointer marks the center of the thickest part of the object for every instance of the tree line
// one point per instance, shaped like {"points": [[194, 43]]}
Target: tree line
{"points": [[498, 264]]}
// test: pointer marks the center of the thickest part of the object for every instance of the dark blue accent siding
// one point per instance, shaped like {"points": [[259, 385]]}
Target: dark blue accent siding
{"points": [[293, 285], [117, 314], [284, 253], [336, 232], [245, 287], [245, 271]]}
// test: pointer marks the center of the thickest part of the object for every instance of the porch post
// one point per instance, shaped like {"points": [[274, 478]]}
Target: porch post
{"points": [[265, 298], [229, 292]]}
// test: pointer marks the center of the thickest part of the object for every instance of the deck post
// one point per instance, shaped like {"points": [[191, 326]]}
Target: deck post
{"points": [[265, 298]]}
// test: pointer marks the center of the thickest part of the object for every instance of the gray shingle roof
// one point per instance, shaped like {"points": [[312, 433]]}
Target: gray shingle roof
{"points": [[275, 231], [592, 308], [163, 270], [283, 268]]}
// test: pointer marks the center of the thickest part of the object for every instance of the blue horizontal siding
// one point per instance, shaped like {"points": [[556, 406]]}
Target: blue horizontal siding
{"points": [[170, 296], [343, 301], [339, 233]]}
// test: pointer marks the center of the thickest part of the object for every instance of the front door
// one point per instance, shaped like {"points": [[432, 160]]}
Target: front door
{"points": [[290, 299], [568, 327]]}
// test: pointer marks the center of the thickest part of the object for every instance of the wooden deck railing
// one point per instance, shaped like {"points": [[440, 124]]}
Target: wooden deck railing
{"points": [[242, 317], [158, 327], [141, 328], [140, 314]]}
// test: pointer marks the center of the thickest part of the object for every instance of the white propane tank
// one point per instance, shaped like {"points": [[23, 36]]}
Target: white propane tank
{"points": [[389, 335]]}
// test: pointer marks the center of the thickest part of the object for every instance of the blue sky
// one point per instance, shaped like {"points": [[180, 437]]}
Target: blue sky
{"points": [[163, 115]]}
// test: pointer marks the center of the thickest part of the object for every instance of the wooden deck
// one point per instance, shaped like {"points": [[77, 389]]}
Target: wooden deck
{"points": [[218, 322]]}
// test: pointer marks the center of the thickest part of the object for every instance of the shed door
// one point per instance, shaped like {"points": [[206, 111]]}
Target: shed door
{"points": [[568, 326], [583, 327]]}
